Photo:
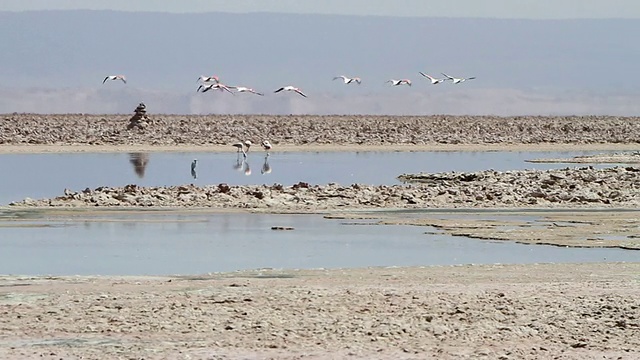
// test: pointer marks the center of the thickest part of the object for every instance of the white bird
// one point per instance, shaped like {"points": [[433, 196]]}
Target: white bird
{"points": [[348, 80], [241, 145], [399, 82], [216, 86], [434, 81], [205, 79], [266, 145], [457, 80], [245, 89], [115, 77], [290, 88]]}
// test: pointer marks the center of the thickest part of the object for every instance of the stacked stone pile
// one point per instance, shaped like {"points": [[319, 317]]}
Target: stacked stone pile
{"points": [[139, 120]]}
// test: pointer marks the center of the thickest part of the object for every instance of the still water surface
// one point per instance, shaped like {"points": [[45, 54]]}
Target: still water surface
{"points": [[47, 175], [158, 243], [144, 243]]}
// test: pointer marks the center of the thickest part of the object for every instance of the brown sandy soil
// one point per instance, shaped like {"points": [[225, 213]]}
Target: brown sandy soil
{"points": [[563, 311]]}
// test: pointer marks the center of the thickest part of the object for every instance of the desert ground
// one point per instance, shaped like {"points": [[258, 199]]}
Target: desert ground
{"points": [[541, 311]]}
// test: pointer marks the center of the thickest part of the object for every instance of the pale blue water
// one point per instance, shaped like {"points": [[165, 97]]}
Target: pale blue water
{"points": [[47, 175], [157, 243], [145, 243]]}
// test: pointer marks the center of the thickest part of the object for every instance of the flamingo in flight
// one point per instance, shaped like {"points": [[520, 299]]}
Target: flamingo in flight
{"points": [[216, 86], [399, 82], [348, 80], [434, 81], [457, 80], [290, 88], [205, 79], [115, 77], [245, 89]]}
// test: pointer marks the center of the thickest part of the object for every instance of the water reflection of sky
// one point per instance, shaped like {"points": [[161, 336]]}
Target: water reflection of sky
{"points": [[157, 243], [47, 175]]}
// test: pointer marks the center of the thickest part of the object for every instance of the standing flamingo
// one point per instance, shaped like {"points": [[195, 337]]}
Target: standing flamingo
{"points": [[266, 145]]}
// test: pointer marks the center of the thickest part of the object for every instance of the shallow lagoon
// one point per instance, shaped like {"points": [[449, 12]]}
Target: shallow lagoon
{"points": [[157, 242], [47, 175], [168, 242]]}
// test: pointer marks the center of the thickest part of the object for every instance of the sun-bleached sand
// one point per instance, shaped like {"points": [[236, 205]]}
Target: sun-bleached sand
{"points": [[544, 311]]}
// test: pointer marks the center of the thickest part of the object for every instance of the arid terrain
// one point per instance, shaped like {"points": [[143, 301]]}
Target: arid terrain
{"points": [[215, 131], [568, 311], [540, 311]]}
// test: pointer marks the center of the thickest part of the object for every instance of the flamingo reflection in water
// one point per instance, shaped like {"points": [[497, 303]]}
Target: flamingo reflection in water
{"points": [[139, 162], [194, 163], [266, 168]]}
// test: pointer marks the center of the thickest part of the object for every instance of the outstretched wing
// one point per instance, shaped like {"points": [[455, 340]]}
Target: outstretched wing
{"points": [[448, 77], [279, 90]]}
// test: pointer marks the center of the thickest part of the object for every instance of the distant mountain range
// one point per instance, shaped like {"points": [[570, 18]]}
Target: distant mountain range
{"points": [[55, 61]]}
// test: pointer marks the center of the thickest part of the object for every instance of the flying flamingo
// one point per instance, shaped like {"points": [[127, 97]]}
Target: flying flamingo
{"points": [[290, 88], [217, 86], [347, 80], [115, 77], [399, 82], [457, 80], [204, 79], [245, 89], [434, 81]]}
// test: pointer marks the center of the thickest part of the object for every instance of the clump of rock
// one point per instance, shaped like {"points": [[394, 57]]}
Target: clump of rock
{"points": [[139, 120], [560, 188]]}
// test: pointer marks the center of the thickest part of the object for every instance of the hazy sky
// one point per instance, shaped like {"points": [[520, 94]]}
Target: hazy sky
{"points": [[537, 9]]}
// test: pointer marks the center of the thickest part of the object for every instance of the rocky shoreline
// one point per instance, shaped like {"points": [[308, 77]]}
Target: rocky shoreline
{"points": [[362, 130], [560, 188]]}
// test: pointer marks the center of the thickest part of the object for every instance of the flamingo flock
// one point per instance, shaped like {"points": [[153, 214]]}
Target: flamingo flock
{"points": [[212, 82]]}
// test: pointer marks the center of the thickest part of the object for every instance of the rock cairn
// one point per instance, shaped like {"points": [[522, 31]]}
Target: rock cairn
{"points": [[139, 119], [560, 188]]}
